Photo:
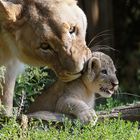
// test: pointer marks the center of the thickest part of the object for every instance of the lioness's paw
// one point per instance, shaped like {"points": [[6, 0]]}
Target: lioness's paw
{"points": [[88, 116]]}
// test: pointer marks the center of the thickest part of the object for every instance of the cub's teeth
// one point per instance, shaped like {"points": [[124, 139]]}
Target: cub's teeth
{"points": [[111, 91]]}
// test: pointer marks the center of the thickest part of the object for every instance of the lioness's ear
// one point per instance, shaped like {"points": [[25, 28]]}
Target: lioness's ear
{"points": [[9, 11], [94, 64]]}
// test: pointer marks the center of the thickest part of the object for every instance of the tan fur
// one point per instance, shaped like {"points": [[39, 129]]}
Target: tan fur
{"points": [[78, 97], [34, 32]]}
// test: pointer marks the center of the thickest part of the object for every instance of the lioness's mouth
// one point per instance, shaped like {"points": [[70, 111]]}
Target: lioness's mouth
{"points": [[85, 67], [76, 73], [67, 77]]}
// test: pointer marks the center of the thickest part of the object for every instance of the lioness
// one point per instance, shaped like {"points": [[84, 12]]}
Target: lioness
{"points": [[77, 97], [40, 33]]}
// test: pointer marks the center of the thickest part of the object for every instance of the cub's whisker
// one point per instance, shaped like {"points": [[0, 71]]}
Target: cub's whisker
{"points": [[125, 93], [99, 98], [117, 92]]}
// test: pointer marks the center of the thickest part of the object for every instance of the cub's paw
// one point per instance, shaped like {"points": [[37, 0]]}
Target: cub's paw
{"points": [[88, 116]]}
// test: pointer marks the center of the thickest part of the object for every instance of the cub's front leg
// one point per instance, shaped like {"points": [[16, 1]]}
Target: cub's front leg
{"points": [[78, 108]]}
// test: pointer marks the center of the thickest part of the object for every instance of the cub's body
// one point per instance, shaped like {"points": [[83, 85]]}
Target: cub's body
{"points": [[78, 97], [58, 90]]}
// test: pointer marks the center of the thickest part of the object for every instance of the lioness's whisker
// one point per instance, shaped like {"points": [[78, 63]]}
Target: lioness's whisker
{"points": [[102, 47], [105, 39], [104, 31], [97, 36]]}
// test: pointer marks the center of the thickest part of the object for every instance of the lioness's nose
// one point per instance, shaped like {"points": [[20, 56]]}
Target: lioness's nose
{"points": [[74, 62]]}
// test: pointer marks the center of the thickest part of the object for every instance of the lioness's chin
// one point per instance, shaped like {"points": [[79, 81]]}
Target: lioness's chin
{"points": [[67, 77]]}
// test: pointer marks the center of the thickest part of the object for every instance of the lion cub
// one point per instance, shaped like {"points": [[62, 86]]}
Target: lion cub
{"points": [[78, 97]]}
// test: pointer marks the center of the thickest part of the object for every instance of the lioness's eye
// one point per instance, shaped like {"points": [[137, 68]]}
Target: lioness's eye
{"points": [[44, 46], [104, 71], [72, 30]]}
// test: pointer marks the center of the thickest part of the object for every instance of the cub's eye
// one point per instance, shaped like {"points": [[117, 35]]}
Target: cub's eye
{"points": [[104, 71], [72, 30]]}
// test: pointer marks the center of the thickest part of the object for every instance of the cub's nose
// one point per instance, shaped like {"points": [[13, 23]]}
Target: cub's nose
{"points": [[115, 85]]}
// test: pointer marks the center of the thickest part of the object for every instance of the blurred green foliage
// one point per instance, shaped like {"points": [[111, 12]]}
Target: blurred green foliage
{"points": [[30, 84]]}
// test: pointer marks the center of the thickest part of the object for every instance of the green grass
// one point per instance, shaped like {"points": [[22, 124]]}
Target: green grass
{"points": [[115, 129]]}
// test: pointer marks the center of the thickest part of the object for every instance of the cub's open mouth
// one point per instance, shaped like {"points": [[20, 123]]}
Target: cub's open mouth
{"points": [[110, 91], [106, 90]]}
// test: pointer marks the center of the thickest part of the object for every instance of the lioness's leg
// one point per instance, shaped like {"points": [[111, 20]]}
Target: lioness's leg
{"points": [[78, 108], [13, 68]]}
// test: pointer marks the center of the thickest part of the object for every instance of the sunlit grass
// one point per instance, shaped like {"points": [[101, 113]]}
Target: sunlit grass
{"points": [[115, 129]]}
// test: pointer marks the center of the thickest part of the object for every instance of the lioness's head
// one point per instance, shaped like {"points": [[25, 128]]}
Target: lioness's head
{"points": [[100, 75], [48, 32]]}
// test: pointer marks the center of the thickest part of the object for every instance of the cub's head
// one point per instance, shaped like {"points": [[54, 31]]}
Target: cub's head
{"points": [[47, 32], [100, 76]]}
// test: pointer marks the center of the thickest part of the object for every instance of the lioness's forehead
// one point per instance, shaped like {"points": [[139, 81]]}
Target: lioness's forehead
{"points": [[55, 13], [58, 10], [56, 1]]}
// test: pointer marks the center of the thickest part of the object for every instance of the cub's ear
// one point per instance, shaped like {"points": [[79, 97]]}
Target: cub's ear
{"points": [[94, 65], [9, 11]]}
